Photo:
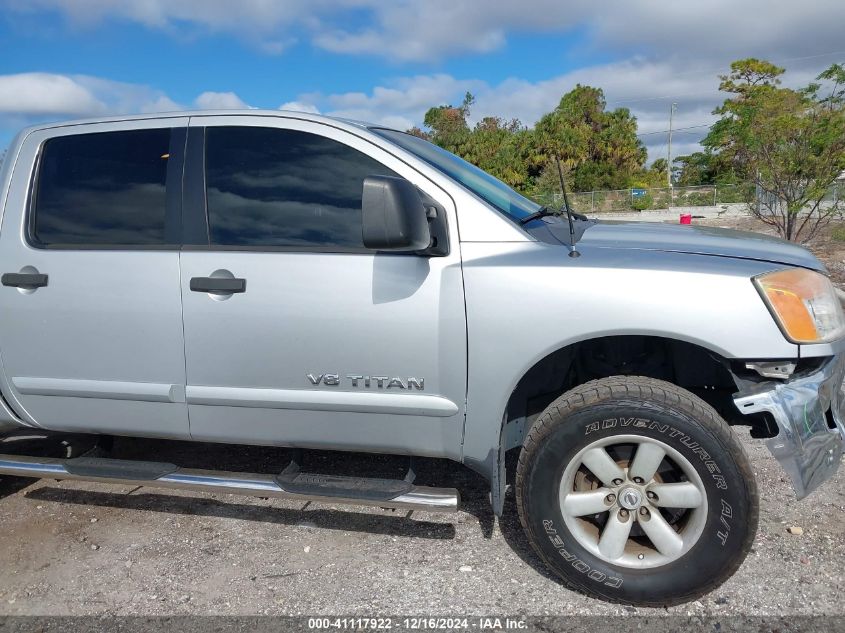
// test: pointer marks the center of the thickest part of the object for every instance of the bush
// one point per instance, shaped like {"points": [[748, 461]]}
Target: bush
{"points": [[731, 194], [838, 233], [641, 203], [696, 199]]}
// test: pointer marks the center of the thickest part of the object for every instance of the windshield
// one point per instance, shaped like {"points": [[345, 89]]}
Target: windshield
{"points": [[490, 189]]}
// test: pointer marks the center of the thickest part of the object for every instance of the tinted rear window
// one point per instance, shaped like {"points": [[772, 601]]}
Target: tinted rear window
{"points": [[102, 189], [277, 188]]}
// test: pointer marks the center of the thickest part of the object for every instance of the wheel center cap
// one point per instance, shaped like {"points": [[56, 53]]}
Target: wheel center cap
{"points": [[630, 499]]}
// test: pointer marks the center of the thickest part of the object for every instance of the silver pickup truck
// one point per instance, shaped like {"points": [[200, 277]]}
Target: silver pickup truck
{"points": [[276, 278]]}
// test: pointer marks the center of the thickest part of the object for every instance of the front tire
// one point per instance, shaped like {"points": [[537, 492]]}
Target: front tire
{"points": [[635, 490]]}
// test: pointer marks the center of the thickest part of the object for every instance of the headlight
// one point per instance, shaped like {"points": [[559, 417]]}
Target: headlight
{"points": [[804, 305]]}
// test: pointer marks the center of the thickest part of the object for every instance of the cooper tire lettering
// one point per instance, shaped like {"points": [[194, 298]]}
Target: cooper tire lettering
{"points": [[663, 414]]}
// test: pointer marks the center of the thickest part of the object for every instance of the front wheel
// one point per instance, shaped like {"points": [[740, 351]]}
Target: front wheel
{"points": [[635, 490]]}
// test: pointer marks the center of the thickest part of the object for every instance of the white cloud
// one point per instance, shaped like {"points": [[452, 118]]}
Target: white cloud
{"points": [[416, 31], [269, 26], [32, 97], [644, 87], [668, 52], [647, 88], [29, 98], [426, 30], [400, 105], [162, 103], [46, 94], [396, 122], [36, 96], [298, 106], [119, 97], [220, 101]]}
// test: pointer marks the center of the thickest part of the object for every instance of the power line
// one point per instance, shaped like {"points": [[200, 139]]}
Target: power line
{"points": [[689, 131], [773, 61], [682, 94], [637, 99], [677, 129], [703, 125]]}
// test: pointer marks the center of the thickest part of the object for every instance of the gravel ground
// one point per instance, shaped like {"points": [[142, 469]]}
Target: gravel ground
{"points": [[85, 549]]}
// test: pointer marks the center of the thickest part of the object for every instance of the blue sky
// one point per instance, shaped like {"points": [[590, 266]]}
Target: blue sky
{"points": [[389, 62]]}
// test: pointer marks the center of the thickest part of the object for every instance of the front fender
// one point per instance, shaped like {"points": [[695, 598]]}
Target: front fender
{"points": [[527, 300]]}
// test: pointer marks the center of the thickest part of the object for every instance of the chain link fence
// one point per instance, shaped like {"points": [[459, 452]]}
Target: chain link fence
{"points": [[654, 198]]}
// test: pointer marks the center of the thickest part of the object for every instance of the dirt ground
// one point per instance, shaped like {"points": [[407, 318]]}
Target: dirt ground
{"points": [[85, 549]]}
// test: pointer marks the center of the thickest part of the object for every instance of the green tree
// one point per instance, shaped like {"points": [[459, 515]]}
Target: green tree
{"points": [[693, 169], [448, 125], [499, 146], [420, 133], [789, 143], [654, 176], [600, 148]]}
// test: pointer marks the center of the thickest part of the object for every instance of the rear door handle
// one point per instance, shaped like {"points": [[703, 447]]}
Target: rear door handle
{"points": [[217, 284], [24, 280]]}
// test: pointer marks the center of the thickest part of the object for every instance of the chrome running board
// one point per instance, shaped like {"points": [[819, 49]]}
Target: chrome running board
{"points": [[363, 491]]}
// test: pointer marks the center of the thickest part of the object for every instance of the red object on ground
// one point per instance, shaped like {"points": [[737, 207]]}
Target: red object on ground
{"points": [[686, 218]]}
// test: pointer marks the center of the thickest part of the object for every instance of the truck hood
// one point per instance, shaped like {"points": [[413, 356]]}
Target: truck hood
{"points": [[677, 238]]}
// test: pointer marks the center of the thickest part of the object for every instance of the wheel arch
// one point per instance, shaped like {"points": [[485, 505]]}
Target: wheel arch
{"points": [[703, 369]]}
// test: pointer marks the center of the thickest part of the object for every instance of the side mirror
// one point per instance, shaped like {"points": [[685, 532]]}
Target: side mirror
{"points": [[394, 217]]}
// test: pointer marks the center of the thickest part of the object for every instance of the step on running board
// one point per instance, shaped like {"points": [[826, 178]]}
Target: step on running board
{"points": [[385, 493]]}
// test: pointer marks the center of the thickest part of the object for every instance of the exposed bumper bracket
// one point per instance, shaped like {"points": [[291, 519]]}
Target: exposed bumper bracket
{"points": [[807, 448]]}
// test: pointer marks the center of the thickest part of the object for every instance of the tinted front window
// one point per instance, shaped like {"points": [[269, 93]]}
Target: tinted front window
{"points": [[482, 184], [102, 189], [273, 187]]}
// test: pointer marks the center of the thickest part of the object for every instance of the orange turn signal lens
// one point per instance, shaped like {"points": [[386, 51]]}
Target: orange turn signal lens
{"points": [[804, 304]]}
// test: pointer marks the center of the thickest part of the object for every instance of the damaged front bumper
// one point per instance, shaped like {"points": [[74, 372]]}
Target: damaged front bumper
{"points": [[806, 446]]}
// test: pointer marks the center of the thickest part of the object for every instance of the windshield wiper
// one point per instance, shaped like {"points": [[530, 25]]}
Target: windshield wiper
{"points": [[542, 212]]}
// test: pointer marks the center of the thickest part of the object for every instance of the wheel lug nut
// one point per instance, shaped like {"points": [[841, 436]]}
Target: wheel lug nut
{"points": [[650, 495], [638, 480], [617, 482], [623, 513], [644, 512], [609, 499]]}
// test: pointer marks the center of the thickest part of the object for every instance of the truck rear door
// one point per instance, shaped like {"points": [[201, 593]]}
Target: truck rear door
{"points": [[91, 333]]}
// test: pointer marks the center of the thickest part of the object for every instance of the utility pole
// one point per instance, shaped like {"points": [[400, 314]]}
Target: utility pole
{"points": [[669, 154]]}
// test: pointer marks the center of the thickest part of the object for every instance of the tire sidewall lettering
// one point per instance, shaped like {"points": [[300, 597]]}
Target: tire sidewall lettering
{"points": [[577, 564], [723, 533], [667, 431]]}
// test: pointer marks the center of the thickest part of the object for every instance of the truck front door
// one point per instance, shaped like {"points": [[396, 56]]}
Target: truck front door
{"points": [[295, 333]]}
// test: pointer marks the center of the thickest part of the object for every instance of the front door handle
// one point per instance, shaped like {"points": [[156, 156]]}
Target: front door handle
{"points": [[24, 280], [217, 284]]}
